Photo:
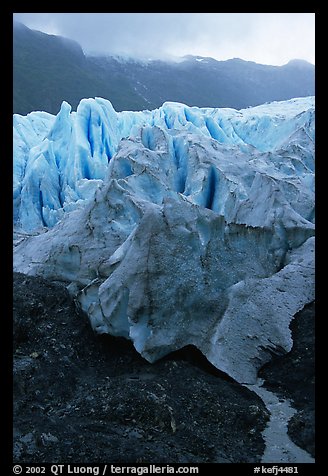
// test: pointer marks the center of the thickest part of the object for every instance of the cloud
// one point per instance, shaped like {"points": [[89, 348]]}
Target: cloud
{"points": [[269, 38]]}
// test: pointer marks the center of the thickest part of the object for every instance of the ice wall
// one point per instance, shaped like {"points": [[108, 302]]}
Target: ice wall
{"points": [[176, 226]]}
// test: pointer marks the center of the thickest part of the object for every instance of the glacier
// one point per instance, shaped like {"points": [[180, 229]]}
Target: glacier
{"points": [[60, 161], [176, 226]]}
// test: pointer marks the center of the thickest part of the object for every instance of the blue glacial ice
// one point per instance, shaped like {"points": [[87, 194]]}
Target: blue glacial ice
{"points": [[176, 226], [60, 161]]}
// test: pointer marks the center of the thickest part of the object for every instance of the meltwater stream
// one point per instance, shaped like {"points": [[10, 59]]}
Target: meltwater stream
{"points": [[278, 446]]}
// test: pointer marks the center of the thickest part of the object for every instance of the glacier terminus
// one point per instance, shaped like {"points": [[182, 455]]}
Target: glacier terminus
{"points": [[176, 226]]}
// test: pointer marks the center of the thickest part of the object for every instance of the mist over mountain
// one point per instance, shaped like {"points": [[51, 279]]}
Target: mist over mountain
{"points": [[49, 69]]}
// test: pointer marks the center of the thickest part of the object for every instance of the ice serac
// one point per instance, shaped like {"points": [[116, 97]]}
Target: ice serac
{"points": [[177, 226], [59, 161]]}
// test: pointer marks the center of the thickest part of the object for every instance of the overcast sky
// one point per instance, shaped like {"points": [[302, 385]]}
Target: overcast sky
{"points": [[267, 38]]}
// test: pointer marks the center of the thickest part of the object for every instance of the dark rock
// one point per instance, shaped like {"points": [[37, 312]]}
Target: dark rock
{"points": [[301, 429], [93, 398], [293, 376]]}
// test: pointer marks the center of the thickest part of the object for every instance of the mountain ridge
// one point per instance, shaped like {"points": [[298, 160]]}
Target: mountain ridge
{"points": [[49, 69]]}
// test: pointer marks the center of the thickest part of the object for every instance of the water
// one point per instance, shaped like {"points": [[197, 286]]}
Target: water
{"points": [[279, 448]]}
